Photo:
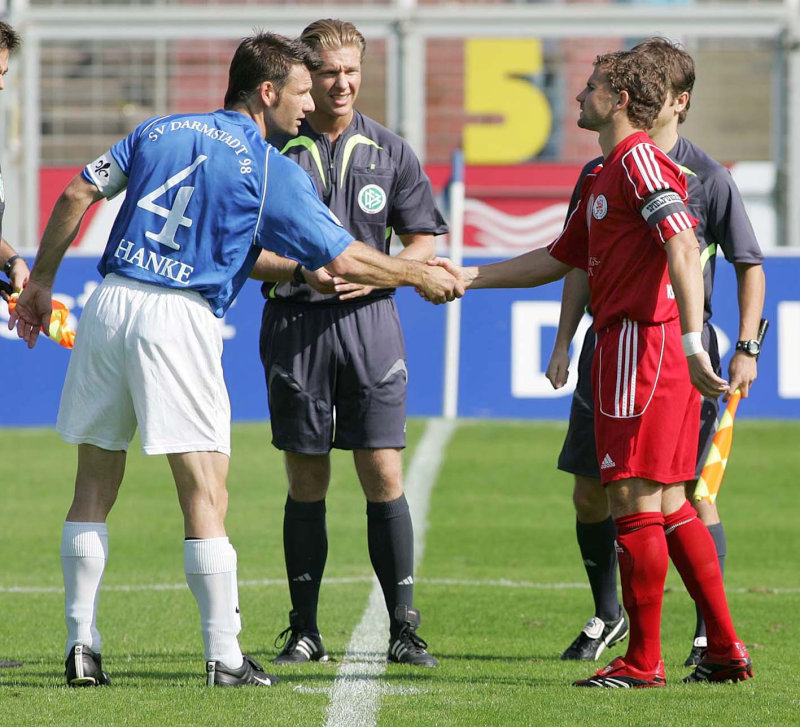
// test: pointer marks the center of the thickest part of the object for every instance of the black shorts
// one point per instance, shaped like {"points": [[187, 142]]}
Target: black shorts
{"points": [[579, 456], [336, 375]]}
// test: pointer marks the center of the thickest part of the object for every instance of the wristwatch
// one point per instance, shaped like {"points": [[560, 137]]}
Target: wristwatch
{"points": [[751, 348], [10, 264]]}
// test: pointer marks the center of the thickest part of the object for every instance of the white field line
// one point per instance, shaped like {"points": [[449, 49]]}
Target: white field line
{"points": [[468, 583], [356, 692]]}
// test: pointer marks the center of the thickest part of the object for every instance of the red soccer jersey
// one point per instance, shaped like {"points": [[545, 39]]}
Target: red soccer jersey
{"points": [[630, 206]]}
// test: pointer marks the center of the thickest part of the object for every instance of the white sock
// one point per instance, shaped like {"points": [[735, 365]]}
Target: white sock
{"points": [[84, 551], [210, 565]]}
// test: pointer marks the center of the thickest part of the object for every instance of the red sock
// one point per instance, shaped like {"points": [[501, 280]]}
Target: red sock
{"points": [[643, 562], [692, 550]]}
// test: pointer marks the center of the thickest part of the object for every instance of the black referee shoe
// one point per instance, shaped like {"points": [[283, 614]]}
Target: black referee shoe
{"points": [[300, 645], [406, 646], [595, 637], [698, 647]]}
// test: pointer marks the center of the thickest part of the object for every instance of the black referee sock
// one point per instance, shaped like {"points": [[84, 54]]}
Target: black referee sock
{"points": [[721, 544], [305, 549], [390, 536], [596, 542]]}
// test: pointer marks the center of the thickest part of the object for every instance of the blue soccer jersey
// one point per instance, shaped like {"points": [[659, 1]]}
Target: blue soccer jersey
{"points": [[203, 193]]}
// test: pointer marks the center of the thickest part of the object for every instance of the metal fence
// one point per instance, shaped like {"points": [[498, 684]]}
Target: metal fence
{"points": [[497, 78]]}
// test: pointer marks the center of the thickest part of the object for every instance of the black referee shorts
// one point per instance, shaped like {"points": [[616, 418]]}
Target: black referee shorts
{"points": [[336, 375]]}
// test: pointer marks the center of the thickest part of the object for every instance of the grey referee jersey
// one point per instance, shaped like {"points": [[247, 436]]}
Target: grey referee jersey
{"points": [[371, 180]]}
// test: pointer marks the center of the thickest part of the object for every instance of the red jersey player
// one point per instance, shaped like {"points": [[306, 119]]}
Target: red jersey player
{"points": [[633, 235]]}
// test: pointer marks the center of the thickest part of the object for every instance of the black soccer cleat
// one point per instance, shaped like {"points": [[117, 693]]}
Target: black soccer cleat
{"points": [[406, 646], [299, 645], [619, 675], [698, 647], [84, 668], [250, 673], [595, 637], [734, 665]]}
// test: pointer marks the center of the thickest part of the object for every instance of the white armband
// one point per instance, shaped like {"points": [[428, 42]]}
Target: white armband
{"points": [[692, 343], [107, 175]]}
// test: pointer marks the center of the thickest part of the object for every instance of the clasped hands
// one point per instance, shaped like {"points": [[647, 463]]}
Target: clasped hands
{"points": [[451, 275], [441, 282]]}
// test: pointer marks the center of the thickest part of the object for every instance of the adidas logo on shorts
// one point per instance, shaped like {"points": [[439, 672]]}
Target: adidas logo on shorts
{"points": [[607, 462]]}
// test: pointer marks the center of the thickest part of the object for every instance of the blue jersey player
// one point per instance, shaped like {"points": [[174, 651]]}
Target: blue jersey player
{"points": [[722, 222], [205, 195]]}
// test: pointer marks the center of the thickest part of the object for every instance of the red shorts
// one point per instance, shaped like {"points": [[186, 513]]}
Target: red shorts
{"points": [[647, 413]]}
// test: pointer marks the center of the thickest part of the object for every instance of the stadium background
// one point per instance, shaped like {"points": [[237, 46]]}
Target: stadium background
{"points": [[496, 79]]}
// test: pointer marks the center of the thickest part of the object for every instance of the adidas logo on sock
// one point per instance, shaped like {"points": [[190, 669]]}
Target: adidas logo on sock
{"points": [[407, 581], [607, 462], [305, 578]]}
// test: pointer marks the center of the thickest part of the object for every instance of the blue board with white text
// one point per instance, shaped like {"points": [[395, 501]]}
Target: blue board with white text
{"points": [[506, 338]]}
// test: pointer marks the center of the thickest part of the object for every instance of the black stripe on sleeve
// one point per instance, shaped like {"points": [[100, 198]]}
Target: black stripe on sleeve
{"points": [[661, 205]]}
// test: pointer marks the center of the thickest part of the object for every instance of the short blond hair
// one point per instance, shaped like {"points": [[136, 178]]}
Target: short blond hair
{"points": [[333, 34]]}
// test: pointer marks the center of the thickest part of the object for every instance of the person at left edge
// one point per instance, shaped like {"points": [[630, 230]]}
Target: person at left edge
{"points": [[205, 194], [12, 264], [15, 268]]}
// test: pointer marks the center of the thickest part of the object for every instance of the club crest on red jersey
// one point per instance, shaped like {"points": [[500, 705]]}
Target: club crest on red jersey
{"points": [[599, 207]]}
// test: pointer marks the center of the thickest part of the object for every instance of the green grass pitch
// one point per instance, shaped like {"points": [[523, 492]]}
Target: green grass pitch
{"points": [[501, 589]]}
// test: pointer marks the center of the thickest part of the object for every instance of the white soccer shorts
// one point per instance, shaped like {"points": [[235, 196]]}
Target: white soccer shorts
{"points": [[148, 355]]}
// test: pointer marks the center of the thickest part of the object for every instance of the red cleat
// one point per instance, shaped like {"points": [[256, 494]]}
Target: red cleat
{"points": [[732, 665], [619, 675]]}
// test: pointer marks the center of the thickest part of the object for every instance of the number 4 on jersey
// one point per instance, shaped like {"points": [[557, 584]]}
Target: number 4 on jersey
{"points": [[174, 216]]}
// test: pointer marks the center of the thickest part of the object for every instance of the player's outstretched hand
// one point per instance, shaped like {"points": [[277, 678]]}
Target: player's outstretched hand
{"points": [[742, 372], [558, 368], [703, 377], [439, 285], [32, 312], [465, 275]]}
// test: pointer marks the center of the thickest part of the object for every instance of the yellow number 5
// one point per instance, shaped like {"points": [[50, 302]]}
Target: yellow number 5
{"points": [[497, 85]]}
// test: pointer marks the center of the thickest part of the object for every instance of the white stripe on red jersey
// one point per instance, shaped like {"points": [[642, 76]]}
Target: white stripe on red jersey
{"points": [[648, 167], [627, 370]]}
